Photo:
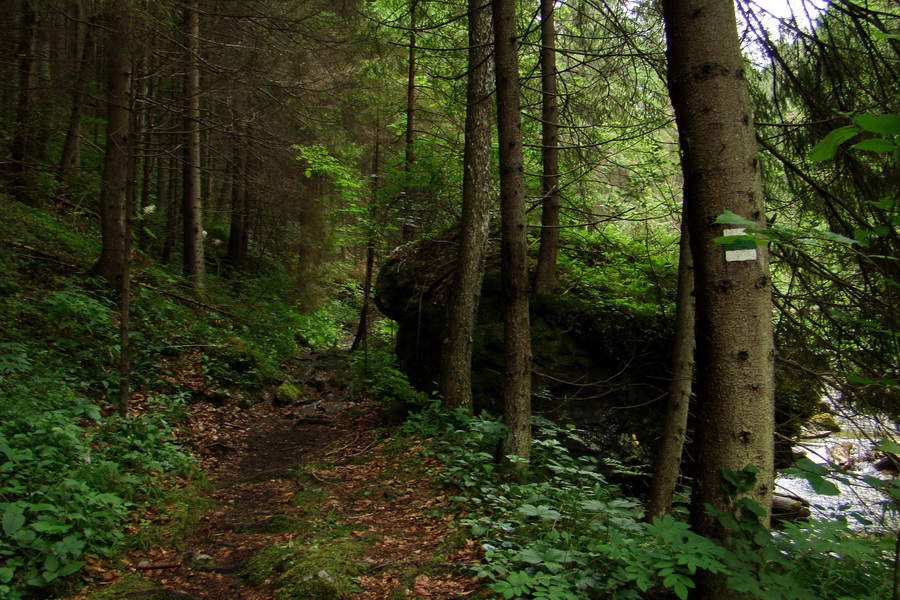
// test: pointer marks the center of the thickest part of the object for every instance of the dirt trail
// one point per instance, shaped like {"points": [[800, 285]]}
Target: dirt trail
{"points": [[307, 480]]}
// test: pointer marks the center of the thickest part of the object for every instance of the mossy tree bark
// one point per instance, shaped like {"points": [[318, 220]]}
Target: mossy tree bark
{"points": [[456, 357], [735, 353], [513, 242]]}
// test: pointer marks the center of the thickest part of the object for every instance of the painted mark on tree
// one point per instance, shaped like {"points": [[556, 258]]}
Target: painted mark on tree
{"points": [[740, 249]]}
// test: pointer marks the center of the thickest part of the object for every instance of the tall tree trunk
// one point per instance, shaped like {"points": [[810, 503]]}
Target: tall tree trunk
{"points": [[513, 242], [70, 157], [125, 302], [362, 331], [545, 272], [192, 205], [408, 229], [462, 310], [144, 210], [23, 142], [113, 194], [170, 236], [668, 457], [238, 233], [735, 352]]}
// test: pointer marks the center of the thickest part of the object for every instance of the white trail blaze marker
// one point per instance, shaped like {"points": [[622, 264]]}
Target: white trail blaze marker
{"points": [[739, 251]]}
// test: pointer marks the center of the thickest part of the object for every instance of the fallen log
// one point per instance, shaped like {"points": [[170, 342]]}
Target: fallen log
{"points": [[788, 507]]}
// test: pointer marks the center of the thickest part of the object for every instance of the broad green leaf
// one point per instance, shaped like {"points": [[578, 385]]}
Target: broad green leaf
{"points": [[873, 481], [810, 467], [13, 519], [593, 505], [51, 565], [880, 35], [875, 145], [730, 218], [888, 446], [880, 124], [25, 536], [836, 237], [882, 204], [827, 148], [49, 527], [753, 507], [738, 242], [822, 486], [550, 558], [70, 568], [544, 512]]}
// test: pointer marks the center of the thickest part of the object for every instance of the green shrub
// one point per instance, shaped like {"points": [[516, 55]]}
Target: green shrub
{"points": [[68, 478], [562, 532]]}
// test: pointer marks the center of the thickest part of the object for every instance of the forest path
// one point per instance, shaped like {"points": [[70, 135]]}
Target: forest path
{"points": [[305, 502]]}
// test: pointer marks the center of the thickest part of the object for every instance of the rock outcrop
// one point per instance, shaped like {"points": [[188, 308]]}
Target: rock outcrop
{"points": [[596, 364]]}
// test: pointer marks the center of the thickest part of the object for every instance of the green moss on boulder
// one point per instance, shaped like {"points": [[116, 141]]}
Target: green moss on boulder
{"points": [[288, 393], [824, 422]]}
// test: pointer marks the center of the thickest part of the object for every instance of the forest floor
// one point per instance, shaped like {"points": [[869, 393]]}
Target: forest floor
{"points": [[305, 501]]}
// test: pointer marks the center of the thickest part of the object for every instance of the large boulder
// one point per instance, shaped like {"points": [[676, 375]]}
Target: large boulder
{"points": [[597, 364]]}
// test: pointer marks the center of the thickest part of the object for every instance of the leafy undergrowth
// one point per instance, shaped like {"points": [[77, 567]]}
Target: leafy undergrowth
{"points": [[561, 531], [75, 479]]}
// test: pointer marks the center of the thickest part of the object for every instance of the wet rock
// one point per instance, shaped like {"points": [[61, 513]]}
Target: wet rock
{"points": [[333, 407], [320, 586], [888, 462], [841, 454], [320, 382]]}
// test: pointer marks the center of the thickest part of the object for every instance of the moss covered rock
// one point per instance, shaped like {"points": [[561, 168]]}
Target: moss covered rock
{"points": [[823, 422], [317, 586], [321, 569], [288, 393]]}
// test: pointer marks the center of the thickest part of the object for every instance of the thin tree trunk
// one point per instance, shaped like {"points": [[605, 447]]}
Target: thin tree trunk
{"points": [[513, 242], [113, 194], [147, 135], [70, 157], [22, 146], [408, 229], [735, 350], [362, 331], [125, 310], [545, 272], [192, 206], [170, 235], [462, 310], [238, 234], [668, 457]]}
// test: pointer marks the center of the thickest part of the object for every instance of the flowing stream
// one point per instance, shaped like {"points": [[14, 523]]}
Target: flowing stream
{"points": [[864, 507]]}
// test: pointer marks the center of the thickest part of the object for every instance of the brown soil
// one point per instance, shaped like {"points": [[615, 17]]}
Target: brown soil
{"points": [[323, 452]]}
